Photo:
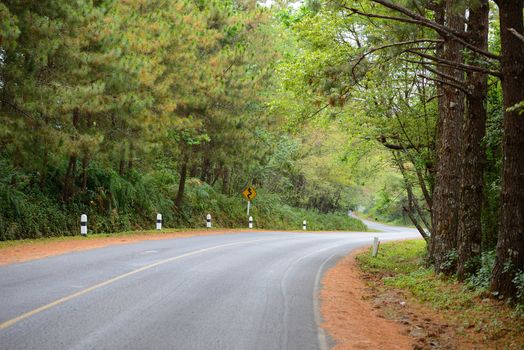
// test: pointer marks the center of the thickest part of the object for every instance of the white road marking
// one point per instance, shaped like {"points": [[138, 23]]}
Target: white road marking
{"points": [[57, 302]]}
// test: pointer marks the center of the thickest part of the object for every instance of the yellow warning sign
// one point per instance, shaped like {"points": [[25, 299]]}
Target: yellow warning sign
{"points": [[250, 193]]}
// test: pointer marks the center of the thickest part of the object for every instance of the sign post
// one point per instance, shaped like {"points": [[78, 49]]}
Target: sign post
{"points": [[249, 193]]}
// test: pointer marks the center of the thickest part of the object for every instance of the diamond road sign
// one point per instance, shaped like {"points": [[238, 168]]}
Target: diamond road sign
{"points": [[250, 193]]}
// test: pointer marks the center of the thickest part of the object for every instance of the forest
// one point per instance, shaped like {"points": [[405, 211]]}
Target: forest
{"points": [[408, 111]]}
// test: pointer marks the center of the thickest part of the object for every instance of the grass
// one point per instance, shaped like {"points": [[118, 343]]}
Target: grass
{"points": [[400, 265], [316, 221]]}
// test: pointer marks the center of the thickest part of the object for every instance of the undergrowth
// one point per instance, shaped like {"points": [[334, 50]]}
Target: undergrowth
{"points": [[401, 265], [116, 203]]}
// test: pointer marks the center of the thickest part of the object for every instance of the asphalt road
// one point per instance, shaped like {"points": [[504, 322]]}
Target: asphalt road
{"points": [[239, 291]]}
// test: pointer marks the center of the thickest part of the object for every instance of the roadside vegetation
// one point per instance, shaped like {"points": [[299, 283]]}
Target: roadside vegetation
{"points": [[475, 319], [430, 95], [402, 110], [167, 110]]}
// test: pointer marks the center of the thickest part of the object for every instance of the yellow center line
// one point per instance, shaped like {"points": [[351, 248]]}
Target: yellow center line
{"points": [[12, 321]]}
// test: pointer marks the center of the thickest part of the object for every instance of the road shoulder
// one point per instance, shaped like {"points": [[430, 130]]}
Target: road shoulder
{"points": [[22, 251], [349, 318], [428, 311]]}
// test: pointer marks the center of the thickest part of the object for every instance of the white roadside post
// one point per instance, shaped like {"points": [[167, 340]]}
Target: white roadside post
{"points": [[250, 222], [248, 207], [83, 225], [376, 244], [208, 221], [158, 221], [304, 225]]}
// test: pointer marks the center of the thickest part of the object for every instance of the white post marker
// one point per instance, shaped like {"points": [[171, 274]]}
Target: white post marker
{"points": [[250, 222], [376, 244], [304, 225], [158, 221], [208, 221], [83, 225]]}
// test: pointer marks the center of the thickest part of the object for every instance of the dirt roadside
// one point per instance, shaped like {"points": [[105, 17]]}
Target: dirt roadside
{"points": [[42, 248], [358, 315], [349, 318]]}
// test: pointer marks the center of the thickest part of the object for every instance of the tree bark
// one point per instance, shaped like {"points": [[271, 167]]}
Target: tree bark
{"points": [[85, 164], [471, 189], [194, 170], [69, 176], [448, 149], [510, 246], [225, 180], [206, 166], [182, 184]]}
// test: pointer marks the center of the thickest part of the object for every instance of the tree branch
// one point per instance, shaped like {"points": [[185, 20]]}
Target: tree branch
{"points": [[475, 69], [412, 201], [446, 76], [517, 34], [422, 182], [400, 43], [443, 30], [461, 66], [383, 140], [461, 88], [423, 21]]}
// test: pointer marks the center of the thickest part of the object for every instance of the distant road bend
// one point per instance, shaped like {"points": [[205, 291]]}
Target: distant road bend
{"points": [[239, 291]]}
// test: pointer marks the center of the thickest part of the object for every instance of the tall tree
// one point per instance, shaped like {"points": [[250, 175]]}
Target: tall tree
{"points": [[471, 187], [510, 246], [448, 145]]}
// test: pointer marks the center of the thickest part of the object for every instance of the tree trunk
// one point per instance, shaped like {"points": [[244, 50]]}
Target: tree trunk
{"points": [[85, 164], [225, 180], [194, 171], [43, 174], [412, 201], [216, 175], [510, 246], [471, 195], [76, 118], [205, 175], [130, 158], [181, 184], [448, 149], [122, 164], [69, 176]]}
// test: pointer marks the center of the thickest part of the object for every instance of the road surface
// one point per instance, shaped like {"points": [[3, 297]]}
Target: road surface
{"points": [[233, 291]]}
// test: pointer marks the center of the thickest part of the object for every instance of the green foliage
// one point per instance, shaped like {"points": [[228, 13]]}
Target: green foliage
{"points": [[518, 280], [387, 204], [401, 257], [131, 203], [402, 264], [481, 280], [268, 212]]}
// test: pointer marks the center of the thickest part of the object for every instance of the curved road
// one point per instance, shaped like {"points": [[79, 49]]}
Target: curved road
{"points": [[239, 291]]}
